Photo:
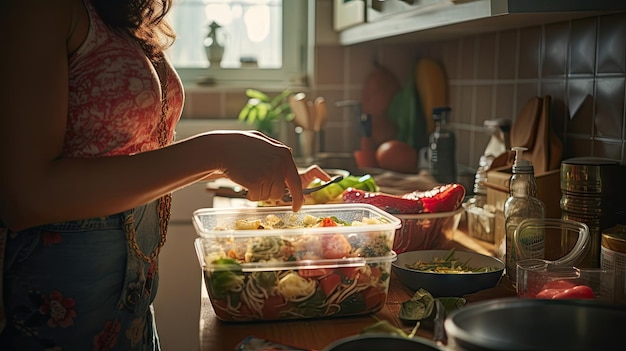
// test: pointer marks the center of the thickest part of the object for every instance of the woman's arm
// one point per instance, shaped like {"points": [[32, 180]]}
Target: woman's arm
{"points": [[38, 187]]}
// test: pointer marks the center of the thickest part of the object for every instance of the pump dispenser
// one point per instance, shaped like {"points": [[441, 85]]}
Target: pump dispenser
{"points": [[522, 204]]}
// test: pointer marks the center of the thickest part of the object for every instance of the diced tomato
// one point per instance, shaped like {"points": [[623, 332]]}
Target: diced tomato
{"points": [[313, 272], [329, 283], [349, 273], [376, 272], [328, 222], [335, 246], [272, 307]]}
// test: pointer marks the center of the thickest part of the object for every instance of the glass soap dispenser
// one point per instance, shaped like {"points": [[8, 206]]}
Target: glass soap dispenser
{"points": [[521, 204]]}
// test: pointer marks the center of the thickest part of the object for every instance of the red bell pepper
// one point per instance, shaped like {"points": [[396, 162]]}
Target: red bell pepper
{"points": [[441, 198], [390, 203]]}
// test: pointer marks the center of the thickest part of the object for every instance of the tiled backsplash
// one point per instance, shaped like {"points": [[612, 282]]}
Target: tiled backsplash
{"points": [[581, 64]]}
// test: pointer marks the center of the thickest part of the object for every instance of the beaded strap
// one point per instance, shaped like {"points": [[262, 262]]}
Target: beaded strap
{"points": [[165, 202]]}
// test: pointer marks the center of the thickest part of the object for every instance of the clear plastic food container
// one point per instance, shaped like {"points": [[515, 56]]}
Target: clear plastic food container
{"points": [[295, 270]]}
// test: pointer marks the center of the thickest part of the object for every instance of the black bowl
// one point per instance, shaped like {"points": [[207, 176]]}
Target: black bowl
{"points": [[448, 284], [528, 324], [381, 341]]}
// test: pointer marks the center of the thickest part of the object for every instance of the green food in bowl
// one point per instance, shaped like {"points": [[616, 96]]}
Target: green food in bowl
{"points": [[447, 284]]}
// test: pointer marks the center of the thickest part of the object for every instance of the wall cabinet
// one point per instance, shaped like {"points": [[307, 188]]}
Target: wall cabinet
{"points": [[429, 20]]}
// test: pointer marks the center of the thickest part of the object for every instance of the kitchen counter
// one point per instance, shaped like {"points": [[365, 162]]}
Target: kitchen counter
{"points": [[316, 334]]}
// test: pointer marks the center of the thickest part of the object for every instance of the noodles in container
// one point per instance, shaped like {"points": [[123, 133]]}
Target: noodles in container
{"points": [[269, 263]]}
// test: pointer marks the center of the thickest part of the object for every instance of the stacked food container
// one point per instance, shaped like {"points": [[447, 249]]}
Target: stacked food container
{"points": [[269, 263]]}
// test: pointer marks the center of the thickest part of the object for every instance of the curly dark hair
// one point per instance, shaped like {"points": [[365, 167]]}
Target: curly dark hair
{"points": [[144, 20]]}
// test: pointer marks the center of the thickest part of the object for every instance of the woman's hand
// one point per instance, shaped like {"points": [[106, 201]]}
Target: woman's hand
{"points": [[259, 163]]}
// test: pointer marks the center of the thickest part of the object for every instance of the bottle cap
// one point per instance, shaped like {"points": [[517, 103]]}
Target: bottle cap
{"points": [[520, 165], [440, 113]]}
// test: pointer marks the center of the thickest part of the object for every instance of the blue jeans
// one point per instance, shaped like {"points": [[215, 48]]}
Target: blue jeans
{"points": [[80, 285]]}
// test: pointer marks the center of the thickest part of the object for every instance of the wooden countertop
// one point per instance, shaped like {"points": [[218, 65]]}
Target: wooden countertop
{"points": [[317, 334]]}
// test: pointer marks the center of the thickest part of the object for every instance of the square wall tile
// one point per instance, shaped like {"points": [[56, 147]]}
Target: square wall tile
{"points": [[554, 52], [582, 51], [486, 65], [577, 146], [580, 105], [468, 56], [329, 65], [508, 54], [465, 111], [464, 147], [609, 114], [504, 98], [557, 90], [529, 52], [612, 44], [450, 58], [525, 91], [483, 104], [361, 58], [608, 149]]}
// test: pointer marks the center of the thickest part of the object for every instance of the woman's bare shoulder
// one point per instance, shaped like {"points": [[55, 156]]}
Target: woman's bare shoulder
{"points": [[34, 21]]}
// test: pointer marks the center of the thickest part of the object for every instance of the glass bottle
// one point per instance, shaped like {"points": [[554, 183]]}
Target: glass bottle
{"points": [[521, 204], [442, 148]]}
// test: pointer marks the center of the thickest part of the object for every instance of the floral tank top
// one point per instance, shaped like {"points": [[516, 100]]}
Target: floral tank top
{"points": [[114, 96]]}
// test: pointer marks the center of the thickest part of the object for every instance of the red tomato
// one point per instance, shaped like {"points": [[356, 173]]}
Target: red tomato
{"points": [[397, 156], [328, 222], [558, 284], [329, 283], [313, 272], [335, 246], [548, 293], [582, 292]]}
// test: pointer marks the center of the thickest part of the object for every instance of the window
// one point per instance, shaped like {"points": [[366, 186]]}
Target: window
{"points": [[263, 40]]}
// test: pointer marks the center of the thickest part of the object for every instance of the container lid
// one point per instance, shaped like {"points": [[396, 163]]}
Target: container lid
{"points": [[589, 175], [520, 165]]}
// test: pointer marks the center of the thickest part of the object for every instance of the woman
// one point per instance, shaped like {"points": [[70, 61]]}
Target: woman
{"points": [[89, 106]]}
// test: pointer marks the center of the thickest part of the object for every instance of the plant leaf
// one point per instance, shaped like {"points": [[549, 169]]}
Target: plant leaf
{"points": [[256, 94], [243, 114], [252, 115], [262, 111]]}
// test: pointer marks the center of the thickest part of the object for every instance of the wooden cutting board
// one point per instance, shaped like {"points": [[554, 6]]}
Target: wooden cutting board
{"points": [[432, 86]]}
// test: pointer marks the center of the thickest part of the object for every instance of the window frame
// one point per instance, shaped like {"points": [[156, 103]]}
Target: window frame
{"points": [[295, 56]]}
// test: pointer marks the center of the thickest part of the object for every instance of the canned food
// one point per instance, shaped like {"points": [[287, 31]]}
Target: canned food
{"points": [[613, 256], [588, 196]]}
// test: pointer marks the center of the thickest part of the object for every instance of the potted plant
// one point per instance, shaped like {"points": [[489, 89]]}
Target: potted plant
{"points": [[265, 113]]}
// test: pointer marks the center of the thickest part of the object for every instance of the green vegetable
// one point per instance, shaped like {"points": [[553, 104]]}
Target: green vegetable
{"points": [[418, 308], [226, 277], [333, 191], [452, 303], [449, 264]]}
